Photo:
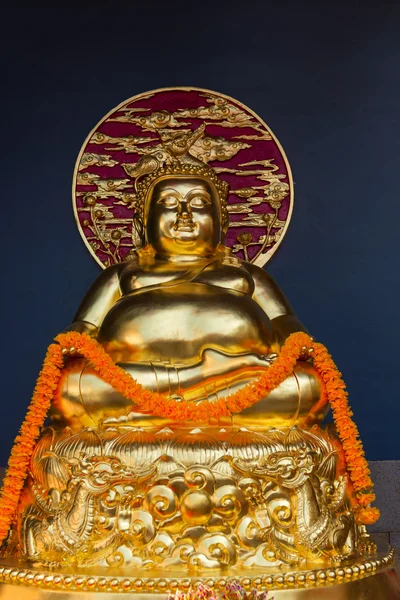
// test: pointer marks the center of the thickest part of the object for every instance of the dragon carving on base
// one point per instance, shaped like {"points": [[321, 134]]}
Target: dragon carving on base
{"points": [[113, 497]]}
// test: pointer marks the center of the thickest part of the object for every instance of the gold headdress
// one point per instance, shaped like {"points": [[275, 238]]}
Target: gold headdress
{"points": [[172, 157]]}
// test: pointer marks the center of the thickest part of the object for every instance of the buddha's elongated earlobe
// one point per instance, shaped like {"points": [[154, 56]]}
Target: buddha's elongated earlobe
{"points": [[138, 232]]}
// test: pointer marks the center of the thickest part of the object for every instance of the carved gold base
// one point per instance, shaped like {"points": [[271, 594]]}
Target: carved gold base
{"points": [[187, 500], [364, 578]]}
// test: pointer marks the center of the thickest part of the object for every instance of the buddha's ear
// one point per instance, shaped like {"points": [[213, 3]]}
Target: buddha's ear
{"points": [[224, 223], [224, 208], [138, 228]]}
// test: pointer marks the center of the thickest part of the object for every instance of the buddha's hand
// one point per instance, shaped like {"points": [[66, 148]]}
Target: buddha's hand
{"points": [[217, 363]]}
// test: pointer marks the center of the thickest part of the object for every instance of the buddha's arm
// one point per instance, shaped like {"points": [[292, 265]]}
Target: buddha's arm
{"points": [[101, 296], [275, 305], [284, 322], [215, 371]]}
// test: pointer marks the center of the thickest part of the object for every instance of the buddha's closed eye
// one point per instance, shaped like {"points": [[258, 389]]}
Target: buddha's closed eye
{"points": [[168, 201], [172, 202], [198, 202]]}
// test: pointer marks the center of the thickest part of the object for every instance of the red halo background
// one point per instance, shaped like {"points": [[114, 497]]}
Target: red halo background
{"points": [[237, 144]]}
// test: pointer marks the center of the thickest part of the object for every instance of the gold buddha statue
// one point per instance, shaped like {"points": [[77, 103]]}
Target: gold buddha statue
{"points": [[184, 317], [115, 487]]}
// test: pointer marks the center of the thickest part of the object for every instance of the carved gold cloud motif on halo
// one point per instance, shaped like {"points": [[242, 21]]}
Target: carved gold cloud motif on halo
{"points": [[156, 120], [224, 114], [128, 143], [102, 160]]}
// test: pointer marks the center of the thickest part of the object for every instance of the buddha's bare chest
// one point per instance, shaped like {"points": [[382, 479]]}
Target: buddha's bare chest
{"points": [[235, 278], [180, 321]]}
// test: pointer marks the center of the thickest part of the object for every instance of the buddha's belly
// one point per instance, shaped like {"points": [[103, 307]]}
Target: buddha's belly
{"points": [[178, 323]]}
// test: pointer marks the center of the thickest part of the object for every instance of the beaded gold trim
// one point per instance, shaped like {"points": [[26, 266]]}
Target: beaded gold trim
{"points": [[52, 579]]}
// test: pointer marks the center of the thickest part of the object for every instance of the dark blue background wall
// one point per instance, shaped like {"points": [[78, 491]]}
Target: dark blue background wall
{"points": [[325, 77]]}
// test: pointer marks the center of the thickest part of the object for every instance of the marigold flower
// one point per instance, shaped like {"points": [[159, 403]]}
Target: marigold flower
{"points": [[367, 516]]}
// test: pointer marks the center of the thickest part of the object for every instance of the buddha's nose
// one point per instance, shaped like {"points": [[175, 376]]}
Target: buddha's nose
{"points": [[184, 211]]}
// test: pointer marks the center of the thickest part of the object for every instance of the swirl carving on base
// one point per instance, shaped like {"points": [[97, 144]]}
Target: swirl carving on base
{"points": [[283, 502]]}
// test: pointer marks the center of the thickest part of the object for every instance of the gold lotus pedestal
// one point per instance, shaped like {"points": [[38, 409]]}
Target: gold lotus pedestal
{"points": [[154, 513]]}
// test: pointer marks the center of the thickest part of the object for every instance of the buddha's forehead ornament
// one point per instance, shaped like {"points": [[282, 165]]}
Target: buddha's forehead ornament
{"points": [[182, 131]]}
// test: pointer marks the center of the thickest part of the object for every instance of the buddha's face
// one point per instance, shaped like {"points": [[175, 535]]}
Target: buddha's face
{"points": [[183, 216]]}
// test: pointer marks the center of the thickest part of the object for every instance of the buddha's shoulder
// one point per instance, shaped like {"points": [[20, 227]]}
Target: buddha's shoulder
{"points": [[112, 276], [113, 271], [263, 281], [257, 273], [131, 263]]}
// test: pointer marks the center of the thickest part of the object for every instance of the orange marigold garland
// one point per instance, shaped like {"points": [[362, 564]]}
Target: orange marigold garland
{"points": [[157, 404], [348, 433], [24, 444]]}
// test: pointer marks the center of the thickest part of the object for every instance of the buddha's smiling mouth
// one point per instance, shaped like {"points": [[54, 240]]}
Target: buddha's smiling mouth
{"points": [[187, 225]]}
